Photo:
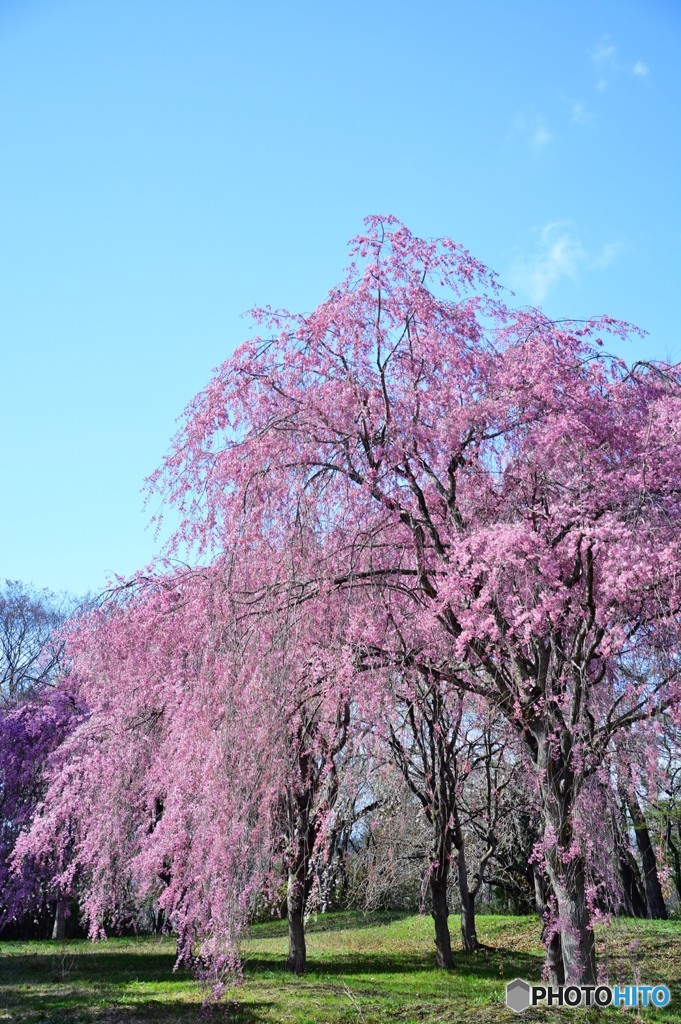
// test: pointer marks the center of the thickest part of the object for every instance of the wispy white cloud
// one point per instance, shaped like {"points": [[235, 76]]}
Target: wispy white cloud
{"points": [[608, 65], [558, 255], [605, 257], [533, 128], [604, 54], [580, 114], [604, 59], [541, 135]]}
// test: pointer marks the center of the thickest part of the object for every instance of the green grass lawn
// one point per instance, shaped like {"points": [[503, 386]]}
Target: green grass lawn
{"points": [[364, 969]]}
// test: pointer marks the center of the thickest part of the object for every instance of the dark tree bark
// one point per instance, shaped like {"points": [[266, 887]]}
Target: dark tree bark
{"points": [[554, 956], [299, 878], [295, 908], [468, 933], [438, 893], [303, 835], [467, 892], [550, 936], [634, 902], [565, 869], [676, 856], [314, 772], [469, 938], [656, 906], [578, 946], [428, 762], [440, 865]]}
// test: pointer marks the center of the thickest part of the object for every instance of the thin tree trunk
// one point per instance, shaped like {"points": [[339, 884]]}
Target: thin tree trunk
{"points": [[302, 840], [298, 890], [654, 899], [438, 892], [295, 907], [469, 938], [441, 854], [59, 928], [676, 857], [634, 903]]}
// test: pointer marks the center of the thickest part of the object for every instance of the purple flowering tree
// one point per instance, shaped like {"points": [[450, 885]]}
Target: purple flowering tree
{"points": [[29, 733]]}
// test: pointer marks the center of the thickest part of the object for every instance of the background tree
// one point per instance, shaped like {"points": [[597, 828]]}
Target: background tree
{"points": [[643, 776], [449, 757], [154, 792], [423, 737], [316, 725], [211, 750], [33, 722], [29, 734], [388, 847], [669, 802], [29, 650]]}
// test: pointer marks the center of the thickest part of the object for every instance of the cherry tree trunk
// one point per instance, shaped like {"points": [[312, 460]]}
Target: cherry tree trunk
{"points": [[554, 957], [549, 935], [295, 908], [468, 935], [299, 879], [438, 893], [439, 876], [565, 867], [576, 934], [654, 898]]}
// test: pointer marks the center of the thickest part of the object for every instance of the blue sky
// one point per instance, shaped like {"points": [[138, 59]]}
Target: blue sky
{"points": [[165, 166]]}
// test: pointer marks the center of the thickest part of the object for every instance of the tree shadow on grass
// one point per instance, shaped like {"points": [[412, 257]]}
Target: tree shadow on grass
{"points": [[486, 963], [69, 985], [44, 989], [500, 962], [150, 1012], [79, 987], [69, 967]]}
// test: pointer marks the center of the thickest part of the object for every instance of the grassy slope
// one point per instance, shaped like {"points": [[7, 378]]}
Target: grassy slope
{"points": [[369, 969]]}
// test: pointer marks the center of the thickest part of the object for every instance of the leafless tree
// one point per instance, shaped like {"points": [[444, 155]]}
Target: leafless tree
{"points": [[29, 651]]}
